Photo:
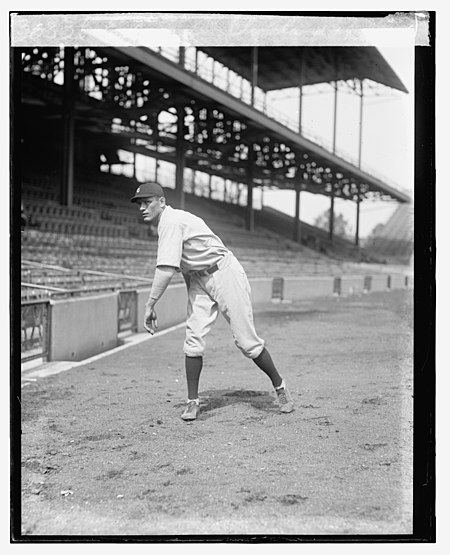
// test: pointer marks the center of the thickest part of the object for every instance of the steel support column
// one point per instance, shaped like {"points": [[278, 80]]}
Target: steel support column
{"points": [[194, 179], [254, 73], [180, 161], [335, 115], [68, 120], [213, 71], [361, 105], [249, 214], [182, 55], [156, 166], [331, 228], [300, 88], [358, 202], [296, 227], [296, 231], [235, 193]]}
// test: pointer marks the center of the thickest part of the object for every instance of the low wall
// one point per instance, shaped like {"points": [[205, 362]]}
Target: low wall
{"points": [[86, 326], [306, 287], [170, 310], [379, 283], [83, 327], [398, 281], [352, 285], [261, 290]]}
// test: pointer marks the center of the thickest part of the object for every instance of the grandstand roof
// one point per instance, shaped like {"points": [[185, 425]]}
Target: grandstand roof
{"points": [[123, 112], [259, 124], [278, 67]]}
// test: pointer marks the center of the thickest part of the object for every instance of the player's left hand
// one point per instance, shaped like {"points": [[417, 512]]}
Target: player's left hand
{"points": [[150, 320]]}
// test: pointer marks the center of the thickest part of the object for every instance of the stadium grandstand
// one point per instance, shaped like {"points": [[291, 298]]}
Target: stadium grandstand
{"points": [[393, 242], [91, 123]]}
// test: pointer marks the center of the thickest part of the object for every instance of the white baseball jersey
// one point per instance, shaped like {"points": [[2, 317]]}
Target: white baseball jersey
{"points": [[186, 242]]}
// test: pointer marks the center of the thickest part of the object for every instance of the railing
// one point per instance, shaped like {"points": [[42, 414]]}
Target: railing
{"points": [[35, 330], [127, 311], [262, 103], [33, 270], [58, 292]]}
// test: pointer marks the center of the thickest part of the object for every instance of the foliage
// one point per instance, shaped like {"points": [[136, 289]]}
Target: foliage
{"points": [[341, 226]]}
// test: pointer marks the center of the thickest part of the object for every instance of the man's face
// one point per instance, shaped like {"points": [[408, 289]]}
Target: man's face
{"points": [[151, 208]]}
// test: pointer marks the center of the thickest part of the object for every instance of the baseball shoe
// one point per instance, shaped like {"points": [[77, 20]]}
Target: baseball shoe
{"points": [[192, 410], [285, 401]]}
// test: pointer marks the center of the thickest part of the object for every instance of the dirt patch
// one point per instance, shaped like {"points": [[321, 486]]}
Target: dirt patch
{"points": [[105, 451]]}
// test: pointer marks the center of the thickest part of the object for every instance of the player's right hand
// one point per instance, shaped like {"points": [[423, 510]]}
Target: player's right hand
{"points": [[150, 320]]}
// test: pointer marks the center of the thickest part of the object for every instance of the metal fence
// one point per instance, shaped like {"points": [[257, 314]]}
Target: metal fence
{"points": [[35, 330]]}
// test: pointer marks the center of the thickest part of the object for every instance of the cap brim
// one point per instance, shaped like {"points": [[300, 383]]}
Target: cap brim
{"points": [[141, 197]]}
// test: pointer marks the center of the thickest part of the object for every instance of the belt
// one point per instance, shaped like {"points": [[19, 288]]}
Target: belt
{"points": [[208, 271]]}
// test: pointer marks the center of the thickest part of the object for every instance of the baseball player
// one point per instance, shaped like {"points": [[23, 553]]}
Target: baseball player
{"points": [[215, 282]]}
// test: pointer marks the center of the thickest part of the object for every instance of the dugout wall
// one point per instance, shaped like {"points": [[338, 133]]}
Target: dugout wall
{"points": [[86, 326]]}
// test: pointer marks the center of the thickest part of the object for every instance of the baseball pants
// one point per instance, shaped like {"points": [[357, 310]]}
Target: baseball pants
{"points": [[227, 290]]}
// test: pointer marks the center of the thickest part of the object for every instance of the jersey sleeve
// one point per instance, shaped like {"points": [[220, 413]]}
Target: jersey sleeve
{"points": [[170, 245]]}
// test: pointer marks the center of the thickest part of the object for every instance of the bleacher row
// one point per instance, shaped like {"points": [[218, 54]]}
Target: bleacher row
{"points": [[104, 232], [87, 216]]}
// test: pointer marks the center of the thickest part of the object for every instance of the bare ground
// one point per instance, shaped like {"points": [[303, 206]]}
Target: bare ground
{"points": [[104, 451]]}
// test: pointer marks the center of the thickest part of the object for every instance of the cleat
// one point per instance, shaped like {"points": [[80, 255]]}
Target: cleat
{"points": [[285, 401], [192, 411]]}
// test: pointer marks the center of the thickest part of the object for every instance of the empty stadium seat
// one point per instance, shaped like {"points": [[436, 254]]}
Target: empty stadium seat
{"points": [[103, 231]]}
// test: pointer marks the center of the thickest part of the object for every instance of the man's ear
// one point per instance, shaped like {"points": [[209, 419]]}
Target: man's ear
{"points": [[162, 201]]}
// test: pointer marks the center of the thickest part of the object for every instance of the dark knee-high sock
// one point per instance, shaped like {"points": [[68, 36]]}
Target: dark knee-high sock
{"points": [[193, 368], [265, 362]]}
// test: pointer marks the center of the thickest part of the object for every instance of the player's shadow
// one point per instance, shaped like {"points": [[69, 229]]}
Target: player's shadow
{"points": [[214, 399]]}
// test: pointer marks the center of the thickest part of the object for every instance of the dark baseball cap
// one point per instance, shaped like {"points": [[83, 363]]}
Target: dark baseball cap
{"points": [[148, 189]]}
